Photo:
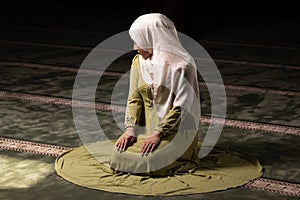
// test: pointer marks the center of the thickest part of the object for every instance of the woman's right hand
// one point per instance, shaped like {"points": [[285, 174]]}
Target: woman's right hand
{"points": [[125, 140]]}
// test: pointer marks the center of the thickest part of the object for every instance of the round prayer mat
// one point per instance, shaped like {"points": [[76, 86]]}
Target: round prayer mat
{"points": [[221, 169]]}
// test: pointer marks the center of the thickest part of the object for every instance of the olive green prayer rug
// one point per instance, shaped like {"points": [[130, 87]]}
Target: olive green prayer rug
{"points": [[221, 169]]}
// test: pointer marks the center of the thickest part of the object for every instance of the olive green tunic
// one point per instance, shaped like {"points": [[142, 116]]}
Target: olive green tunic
{"points": [[141, 113], [219, 170]]}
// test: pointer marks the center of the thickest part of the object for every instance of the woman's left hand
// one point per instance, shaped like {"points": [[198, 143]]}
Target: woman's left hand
{"points": [[151, 143]]}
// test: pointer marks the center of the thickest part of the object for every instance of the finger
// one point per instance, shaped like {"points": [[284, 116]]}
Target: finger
{"points": [[121, 143], [148, 150], [124, 146], [144, 147], [118, 144], [153, 147]]}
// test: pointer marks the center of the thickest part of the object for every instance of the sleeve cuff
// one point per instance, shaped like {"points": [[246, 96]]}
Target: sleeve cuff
{"points": [[130, 131]]}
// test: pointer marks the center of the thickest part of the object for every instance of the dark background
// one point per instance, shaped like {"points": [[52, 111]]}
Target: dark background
{"points": [[194, 17]]}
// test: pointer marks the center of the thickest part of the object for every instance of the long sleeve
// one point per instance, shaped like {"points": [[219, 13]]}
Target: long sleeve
{"points": [[135, 101], [170, 122]]}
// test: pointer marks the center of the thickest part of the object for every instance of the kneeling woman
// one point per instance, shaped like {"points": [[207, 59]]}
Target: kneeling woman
{"points": [[158, 152], [163, 108]]}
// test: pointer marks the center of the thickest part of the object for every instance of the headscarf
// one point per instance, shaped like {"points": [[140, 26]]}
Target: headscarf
{"points": [[174, 79]]}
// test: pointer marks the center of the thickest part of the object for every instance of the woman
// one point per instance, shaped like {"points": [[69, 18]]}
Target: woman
{"points": [[163, 89], [158, 152]]}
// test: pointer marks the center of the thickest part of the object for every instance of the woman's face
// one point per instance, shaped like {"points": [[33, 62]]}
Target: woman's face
{"points": [[143, 53]]}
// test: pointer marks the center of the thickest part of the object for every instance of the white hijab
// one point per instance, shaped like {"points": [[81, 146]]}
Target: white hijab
{"points": [[175, 76]]}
